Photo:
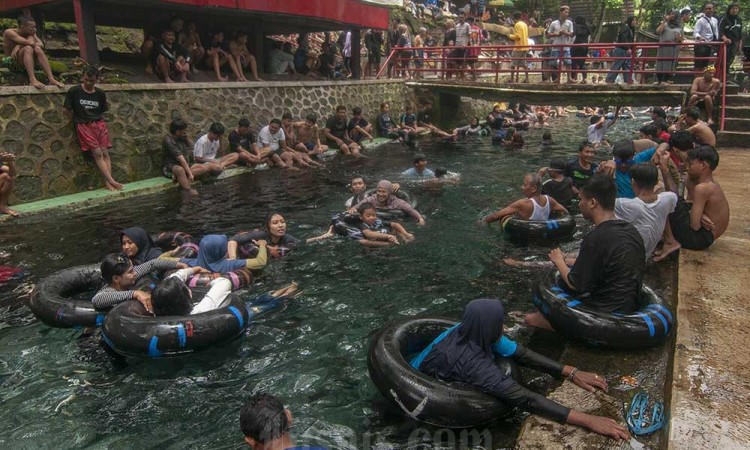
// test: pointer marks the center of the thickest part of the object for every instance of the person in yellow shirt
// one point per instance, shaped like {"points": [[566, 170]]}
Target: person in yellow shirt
{"points": [[520, 37]]}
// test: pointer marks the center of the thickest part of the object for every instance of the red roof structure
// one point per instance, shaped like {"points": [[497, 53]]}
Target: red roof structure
{"points": [[259, 17]]}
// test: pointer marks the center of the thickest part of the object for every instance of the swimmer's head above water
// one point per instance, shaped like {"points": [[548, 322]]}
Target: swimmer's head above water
{"points": [[117, 271]]}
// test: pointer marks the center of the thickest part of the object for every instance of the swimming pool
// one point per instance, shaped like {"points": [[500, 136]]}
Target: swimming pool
{"points": [[59, 389]]}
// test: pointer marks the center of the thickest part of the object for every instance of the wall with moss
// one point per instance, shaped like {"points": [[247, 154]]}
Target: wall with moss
{"points": [[50, 163]]}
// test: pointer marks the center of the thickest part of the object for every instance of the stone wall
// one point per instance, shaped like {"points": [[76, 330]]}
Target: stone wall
{"points": [[50, 163]]}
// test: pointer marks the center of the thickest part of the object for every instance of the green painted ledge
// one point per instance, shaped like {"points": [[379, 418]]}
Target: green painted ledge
{"points": [[88, 199]]}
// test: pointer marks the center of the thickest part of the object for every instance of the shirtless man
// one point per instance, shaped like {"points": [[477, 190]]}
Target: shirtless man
{"points": [[24, 46], [308, 136], [290, 130], [696, 226], [242, 57], [705, 89], [7, 177], [701, 132], [534, 207]]}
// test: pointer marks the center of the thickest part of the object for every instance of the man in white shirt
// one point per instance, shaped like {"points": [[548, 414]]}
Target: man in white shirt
{"points": [[272, 142], [648, 211], [207, 150], [706, 30], [561, 32], [598, 128]]}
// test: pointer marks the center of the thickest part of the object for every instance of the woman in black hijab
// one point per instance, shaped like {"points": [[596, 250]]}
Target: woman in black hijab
{"points": [[138, 245], [464, 353], [730, 31], [623, 53]]}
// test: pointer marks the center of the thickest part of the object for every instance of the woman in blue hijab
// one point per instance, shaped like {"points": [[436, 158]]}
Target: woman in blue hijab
{"points": [[464, 353], [212, 255]]}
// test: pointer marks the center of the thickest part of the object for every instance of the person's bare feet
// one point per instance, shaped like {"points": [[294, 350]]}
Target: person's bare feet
{"points": [[38, 84], [537, 320], [57, 83], [710, 122], [407, 237], [222, 79], [667, 249], [257, 79], [113, 186], [9, 212]]}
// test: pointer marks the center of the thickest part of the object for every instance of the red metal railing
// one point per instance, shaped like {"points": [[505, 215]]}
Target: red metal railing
{"points": [[639, 60]]}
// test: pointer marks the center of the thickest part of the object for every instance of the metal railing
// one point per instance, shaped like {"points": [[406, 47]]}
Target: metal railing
{"points": [[630, 60]]}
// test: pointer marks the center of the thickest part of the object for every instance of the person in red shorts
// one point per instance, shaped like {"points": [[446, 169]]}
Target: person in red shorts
{"points": [[86, 104]]}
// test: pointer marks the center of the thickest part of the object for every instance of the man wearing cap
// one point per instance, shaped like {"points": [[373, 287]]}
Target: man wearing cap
{"points": [[420, 169], [706, 30], [558, 186], [704, 89]]}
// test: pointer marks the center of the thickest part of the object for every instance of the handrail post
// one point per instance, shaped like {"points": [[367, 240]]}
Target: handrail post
{"points": [[723, 78], [632, 63], [560, 62], [497, 65]]}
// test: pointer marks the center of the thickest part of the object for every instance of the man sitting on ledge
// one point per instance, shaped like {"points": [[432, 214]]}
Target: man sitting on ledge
{"points": [[7, 177], [23, 46], [697, 225], [608, 272]]}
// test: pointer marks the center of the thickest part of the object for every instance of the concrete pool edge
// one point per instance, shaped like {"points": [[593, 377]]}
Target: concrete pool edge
{"points": [[709, 388]]}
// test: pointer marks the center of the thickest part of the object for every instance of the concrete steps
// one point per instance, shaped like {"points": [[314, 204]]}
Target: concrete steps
{"points": [[734, 123], [738, 100], [738, 112], [737, 139]]}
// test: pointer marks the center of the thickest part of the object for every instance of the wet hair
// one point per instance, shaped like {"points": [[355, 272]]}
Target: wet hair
{"points": [[694, 113], [311, 118], [91, 71], [602, 189], [356, 110], [263, 418], [594, 119], [644, 175], [661, 125], [243, 123], [547, 135], [286, 115], [583, 145], [704, 153], [268, 218], [623, 150], [177, 125], [355, 177], [24, 19], [681, 140], [364, 207], [536, 181], [340, 108], [171, 298], [659, 112], [649, 130], [217, 128], [114, 264], [276, 121], [440, 172]]}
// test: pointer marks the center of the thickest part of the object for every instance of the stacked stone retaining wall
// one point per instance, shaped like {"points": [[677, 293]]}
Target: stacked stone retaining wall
{"points": [[50, 163]]}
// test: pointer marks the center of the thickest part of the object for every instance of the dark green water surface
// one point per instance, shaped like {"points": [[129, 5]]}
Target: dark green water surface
{"points": [[312, 353]]}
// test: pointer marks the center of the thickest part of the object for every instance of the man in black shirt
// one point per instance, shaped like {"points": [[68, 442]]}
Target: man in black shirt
{"points": [[242, 140], [86, 104], [359, 128], [175, 147], [337, 135], [608, 273], [424, 120], [170, 59], [558, 186], [582, 168]]}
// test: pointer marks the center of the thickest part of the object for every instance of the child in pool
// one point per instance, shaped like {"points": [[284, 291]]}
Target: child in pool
{"points": [[379, 232]]}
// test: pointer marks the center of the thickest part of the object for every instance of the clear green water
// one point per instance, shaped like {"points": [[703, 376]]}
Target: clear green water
{"points": [[311, 353]]}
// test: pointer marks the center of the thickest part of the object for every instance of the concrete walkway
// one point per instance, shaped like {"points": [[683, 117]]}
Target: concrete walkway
{"points": [[711, 375]]}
